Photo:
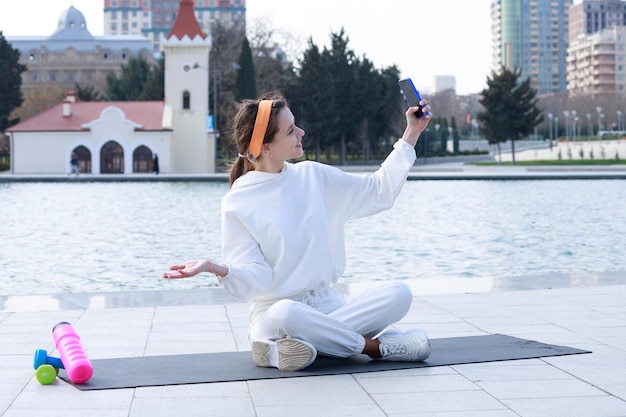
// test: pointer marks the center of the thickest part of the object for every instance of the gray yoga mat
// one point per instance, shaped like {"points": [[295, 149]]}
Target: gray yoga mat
{"points": [[237, 366]]}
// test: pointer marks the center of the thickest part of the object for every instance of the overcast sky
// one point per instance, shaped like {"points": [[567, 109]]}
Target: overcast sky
{"points": [[423, 38]]}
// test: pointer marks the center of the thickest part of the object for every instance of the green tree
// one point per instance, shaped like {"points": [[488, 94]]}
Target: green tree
{"points": [[341, 99], [246, 82], [225, 48], [130, 85], [154, 89], [312, 99], [342, 60], [89, 93], [511, 110], [376, 94], [10, 83]]}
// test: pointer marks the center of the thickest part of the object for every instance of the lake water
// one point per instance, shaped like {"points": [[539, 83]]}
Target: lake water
{"points": [[100, 237]]}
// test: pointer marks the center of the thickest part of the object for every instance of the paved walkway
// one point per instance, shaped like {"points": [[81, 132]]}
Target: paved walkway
{"points": [[586, 312], [575, 150]]}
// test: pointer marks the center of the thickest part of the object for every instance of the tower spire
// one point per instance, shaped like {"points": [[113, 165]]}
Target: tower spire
{"points": [[186, 23]]}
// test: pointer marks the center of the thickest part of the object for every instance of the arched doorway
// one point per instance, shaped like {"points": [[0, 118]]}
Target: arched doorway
{"points": [[111, 158], [84, 159], [142, 159]]}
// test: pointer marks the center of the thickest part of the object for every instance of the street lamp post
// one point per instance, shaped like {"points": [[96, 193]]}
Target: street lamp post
{"points": [[556, 127], [619, 120], [599, 110], [550, 116], [588, 126], [599, 125], [566, 114]]}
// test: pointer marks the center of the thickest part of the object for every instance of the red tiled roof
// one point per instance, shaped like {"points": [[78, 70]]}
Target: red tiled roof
{"points": [[186, 23], [148, 114]]}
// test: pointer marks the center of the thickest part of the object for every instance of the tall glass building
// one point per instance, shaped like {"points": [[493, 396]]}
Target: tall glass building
{"points": [[531, 36]]}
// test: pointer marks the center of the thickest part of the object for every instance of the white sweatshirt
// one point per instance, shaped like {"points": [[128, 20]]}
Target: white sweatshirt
{"points": [[283, 233]]}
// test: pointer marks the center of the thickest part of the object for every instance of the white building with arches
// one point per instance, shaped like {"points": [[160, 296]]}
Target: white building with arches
{"points": [[124, 137]]}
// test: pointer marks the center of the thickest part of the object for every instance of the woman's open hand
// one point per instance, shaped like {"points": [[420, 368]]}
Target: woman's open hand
{"points": [[188, 269]]}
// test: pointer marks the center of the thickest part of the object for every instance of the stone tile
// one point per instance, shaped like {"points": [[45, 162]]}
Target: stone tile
{"points": [[399, 383], [533, 370], [605, 406], [192, 407], [309, 391], [418, 403], [542, 388]]}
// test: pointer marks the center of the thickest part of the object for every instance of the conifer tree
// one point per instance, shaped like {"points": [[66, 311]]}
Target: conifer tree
{"points": [[246, 83], [154, 88], [511, 111], [131, 83], [10, 83]]}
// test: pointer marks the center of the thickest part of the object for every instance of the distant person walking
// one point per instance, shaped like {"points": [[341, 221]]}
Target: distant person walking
{"points": [[74, 164], [155, 164]]}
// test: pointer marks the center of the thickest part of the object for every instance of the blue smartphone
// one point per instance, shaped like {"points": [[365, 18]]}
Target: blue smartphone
{"points": [[412, 96]]}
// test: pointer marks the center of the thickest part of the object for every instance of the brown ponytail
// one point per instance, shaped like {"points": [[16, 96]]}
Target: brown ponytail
{"points": [[243, 125]]}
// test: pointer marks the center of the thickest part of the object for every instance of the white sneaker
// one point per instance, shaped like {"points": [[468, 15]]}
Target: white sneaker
{"points": [[285, 354], [412, 346]]}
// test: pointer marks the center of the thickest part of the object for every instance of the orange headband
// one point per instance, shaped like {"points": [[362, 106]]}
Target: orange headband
{"points": [[260, 127]]}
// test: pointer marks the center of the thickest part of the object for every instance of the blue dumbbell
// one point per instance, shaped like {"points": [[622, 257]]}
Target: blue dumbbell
{"points": [[42, 358]]}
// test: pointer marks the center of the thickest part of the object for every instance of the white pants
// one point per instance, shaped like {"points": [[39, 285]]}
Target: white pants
{"points": [[340, 332]]}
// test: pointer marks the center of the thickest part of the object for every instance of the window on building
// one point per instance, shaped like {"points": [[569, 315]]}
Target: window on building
{"points": [[142, 159], [186, 100], [84, 159], [112, 158]]}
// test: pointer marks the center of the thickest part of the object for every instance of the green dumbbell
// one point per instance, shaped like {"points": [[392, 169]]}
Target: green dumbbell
{"points": [[46, 374]]}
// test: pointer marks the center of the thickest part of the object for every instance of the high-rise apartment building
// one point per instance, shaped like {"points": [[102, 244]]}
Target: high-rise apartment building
{"points": [[154, 18], [531, 36], [596, 61], [592, 16]]}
